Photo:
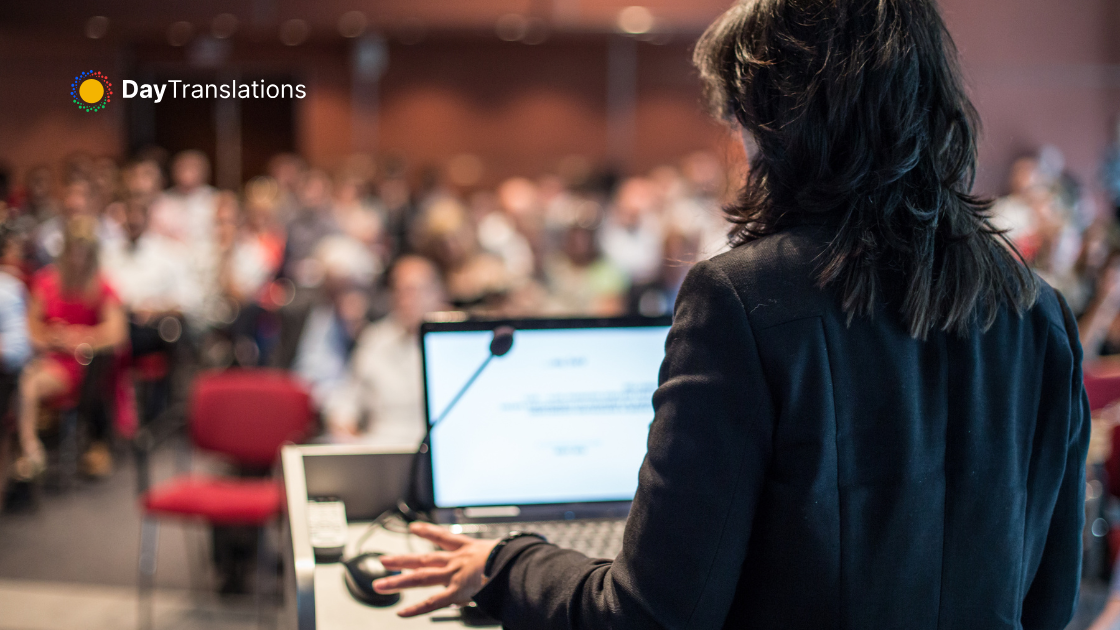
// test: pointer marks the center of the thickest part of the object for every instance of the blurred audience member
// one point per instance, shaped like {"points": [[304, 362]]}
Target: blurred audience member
{"points": [[336, 314], [355, 215], [581, 280], [39, 203], [382, 401], [185, 212], [143, 182], [250, 251], [396, 201], [632, 235], [77, 200], [692, 203], [105, 179], [73, 315], [1026, 214], [313, 222], [287, 170], [502, 232], [658, 297], [1110, 174], [148, 272], [15, 345], [474, 277], [262, 198], [246, 257]]}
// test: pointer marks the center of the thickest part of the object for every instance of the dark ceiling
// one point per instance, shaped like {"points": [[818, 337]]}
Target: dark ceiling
{"points": [[147, 19]]}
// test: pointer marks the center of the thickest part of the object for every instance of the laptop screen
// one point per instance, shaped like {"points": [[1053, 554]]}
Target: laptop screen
{"points": [[563, 417]]}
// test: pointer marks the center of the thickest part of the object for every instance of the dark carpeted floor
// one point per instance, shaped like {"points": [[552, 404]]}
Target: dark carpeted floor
{"points": [[91, 533]]}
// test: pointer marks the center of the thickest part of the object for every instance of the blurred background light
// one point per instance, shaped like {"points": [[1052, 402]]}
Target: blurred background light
{"points": [[635, 20], [352, 24], [179, 33], [223, 26], [294, 32], [97, 27]]}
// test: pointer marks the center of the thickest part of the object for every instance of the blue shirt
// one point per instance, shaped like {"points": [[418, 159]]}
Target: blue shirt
{"points": [[15, 345]]}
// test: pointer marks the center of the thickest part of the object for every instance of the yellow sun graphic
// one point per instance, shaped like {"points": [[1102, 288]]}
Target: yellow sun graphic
{"points": [[91, 91]]}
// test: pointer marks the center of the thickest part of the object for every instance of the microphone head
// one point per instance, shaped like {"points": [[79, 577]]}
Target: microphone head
{"points": [[502, 341]]}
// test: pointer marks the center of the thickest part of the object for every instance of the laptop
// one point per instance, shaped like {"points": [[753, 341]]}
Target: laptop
{"points": [[547, 436]]}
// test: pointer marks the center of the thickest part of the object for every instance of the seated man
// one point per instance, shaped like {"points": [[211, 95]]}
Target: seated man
{"points": [[383, 401], [150, 274]]}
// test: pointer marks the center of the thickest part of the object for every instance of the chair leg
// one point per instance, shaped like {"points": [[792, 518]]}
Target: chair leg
{"points": [[268, 585], [262, 574], [149, 548], [68, 448]]}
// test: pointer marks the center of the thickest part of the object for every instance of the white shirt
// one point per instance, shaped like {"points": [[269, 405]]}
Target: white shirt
{"points": [[249, 266], [187, 218], [702, 219], [385, 385], [1015, 216], [638, 250], [497, 235], [152, 275]]}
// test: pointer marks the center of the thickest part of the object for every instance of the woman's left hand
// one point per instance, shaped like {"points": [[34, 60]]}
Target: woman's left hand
{"points": [[458, 567]]}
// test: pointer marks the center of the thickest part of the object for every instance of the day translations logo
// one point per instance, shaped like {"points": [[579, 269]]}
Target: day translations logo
{"points": [[91, 91]]}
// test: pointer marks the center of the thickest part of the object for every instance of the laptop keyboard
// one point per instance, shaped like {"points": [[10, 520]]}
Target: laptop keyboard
{"points": [[595, 538]]}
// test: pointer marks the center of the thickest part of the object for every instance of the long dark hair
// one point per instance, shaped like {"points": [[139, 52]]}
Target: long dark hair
{"points": [[859, 114]]}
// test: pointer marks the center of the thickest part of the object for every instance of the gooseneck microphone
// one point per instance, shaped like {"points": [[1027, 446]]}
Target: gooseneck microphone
{"points": [[500, 345]]}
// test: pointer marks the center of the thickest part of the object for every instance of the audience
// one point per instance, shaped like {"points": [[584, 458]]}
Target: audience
{"points": [[288, 272]]}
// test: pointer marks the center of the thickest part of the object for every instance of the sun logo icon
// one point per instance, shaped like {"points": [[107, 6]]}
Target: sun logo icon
{"points": [[91, 91]]}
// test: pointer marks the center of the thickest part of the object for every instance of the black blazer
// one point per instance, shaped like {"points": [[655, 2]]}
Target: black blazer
{"points": [[806, 473]]}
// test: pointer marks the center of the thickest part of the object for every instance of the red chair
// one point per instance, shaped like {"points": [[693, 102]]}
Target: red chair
{"points": [[1102, 386], [1103, 389], [245, 415]]}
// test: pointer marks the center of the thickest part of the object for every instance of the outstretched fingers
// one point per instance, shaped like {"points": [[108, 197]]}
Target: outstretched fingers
{"points": [[413, 579], [443, 599], [439, 535], [416, 560]]}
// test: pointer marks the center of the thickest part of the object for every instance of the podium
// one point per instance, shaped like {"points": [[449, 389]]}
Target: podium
{"points": [[369, 481]]}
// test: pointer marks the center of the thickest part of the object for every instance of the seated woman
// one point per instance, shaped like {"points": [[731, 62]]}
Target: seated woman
{"points": [[72, 315]]}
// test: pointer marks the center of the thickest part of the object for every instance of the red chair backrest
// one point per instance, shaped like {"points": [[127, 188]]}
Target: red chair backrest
{"points": [[1102, 390], [248, 414]]}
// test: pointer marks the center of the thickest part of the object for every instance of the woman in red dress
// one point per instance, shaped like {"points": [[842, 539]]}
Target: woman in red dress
{"points": [[72, 315]]}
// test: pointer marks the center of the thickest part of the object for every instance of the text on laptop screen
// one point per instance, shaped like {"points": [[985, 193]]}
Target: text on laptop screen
{"points": [[562, 418]]}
